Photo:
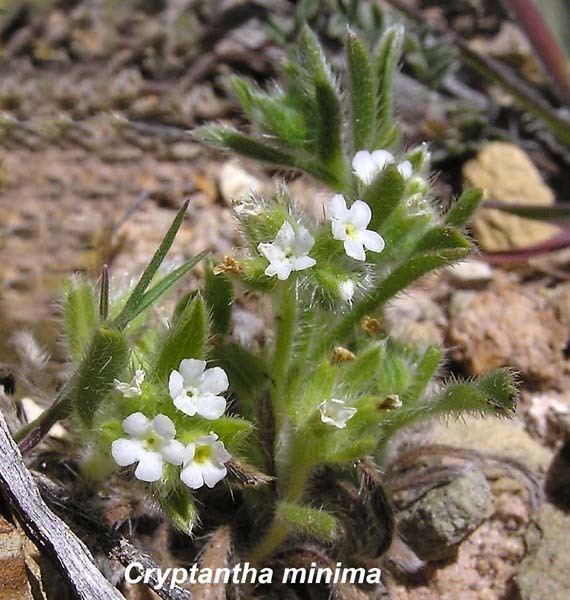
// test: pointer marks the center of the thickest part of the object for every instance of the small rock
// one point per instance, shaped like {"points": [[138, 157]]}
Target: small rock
{"points": [[509, 325], [471, 272], [183, 151], [496, 437], [235, 182], [14, 581], [435, 524], [505, 173], [545, 414], [544, 572]]}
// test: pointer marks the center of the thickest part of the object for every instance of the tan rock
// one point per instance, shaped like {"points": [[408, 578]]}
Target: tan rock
{"points": [[13, 579], [494, 436], [505, 173], [509, 325]]}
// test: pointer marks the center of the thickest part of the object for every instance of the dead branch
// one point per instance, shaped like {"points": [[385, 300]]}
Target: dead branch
{"points": [[48, 531]]}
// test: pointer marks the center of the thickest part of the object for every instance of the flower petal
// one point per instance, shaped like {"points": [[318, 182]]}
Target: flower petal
{"points": [[173, 452], [335, 412], [212, 473], [175, 384], [221, 455], [191, 475], [186, 404], [364, 166], [382, 158], [191, 369], [337, 207], [303, 241], [211, 407], [303, 262], [189, 453], [136, 424], [360, 214], [126, 452], [405, 169], [354, 249], [162, 425], [372, 241], [213, 381], [280, 268], [149, 467], [285, 236], [338, 230], [271, 252]]}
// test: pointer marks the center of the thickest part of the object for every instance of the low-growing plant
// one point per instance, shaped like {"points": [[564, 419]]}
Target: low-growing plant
{"points": [[184, 405]]}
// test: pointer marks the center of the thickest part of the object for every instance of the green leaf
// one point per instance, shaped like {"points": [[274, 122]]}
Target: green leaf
{"points": [[105, 360], [186, 339], [399, 279], [179, 507], [329, 133], [230, 138], [442, 238], [219, 295], [318, 387], [492, 394], [464, 208], [313, 522], [362, 373], [163, 286], [247, 372], [386, 60], [80, 317], [383, 195], [134, 300], [363, 110], [423, 374]]}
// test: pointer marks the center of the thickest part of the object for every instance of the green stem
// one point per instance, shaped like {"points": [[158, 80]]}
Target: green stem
{"points": [[278, 531], [286, 317]]}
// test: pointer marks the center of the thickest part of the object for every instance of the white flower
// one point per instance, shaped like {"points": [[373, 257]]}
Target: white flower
{"points": [[405, 169], [150, 444], [335, 412], [349, 225], [204, 462], [288, 252], [195, 389], [367, 165], [133, 389], [346, 290]]}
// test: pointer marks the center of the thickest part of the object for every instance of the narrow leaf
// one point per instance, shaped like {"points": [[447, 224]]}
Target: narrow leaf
{"points": [[383, 195], [134, 300], [464, 208], [363, 111], [80, 318], [442, 238], [104, 362], [186, 339], [386, 60], [219, 295], [308, 521]]}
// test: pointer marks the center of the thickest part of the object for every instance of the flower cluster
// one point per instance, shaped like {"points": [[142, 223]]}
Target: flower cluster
{"points": [[193, 390], [290, 250]]}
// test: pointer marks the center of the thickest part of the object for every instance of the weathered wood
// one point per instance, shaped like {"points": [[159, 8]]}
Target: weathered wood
{"points": [[103, 538], [48, 531]]}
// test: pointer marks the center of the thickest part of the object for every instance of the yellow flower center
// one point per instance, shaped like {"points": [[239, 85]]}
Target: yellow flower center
{"points": [[202, 454]]}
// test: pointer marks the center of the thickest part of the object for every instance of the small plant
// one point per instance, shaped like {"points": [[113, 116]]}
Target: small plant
{"points": [[184, 406]]}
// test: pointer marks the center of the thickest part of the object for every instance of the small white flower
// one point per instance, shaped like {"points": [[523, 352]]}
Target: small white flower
{"points": [[349, 225], [346, 290], [367, 165], [132, 389], [195, 389], [405, 169], [150, 444], [204, 462], [335, 413], [289, 252]]}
